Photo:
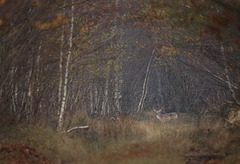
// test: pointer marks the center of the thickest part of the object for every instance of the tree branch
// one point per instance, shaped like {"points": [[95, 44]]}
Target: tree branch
{"points": [[76, 128]]}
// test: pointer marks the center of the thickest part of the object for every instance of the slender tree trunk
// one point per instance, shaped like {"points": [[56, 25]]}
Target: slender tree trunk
{"points": [[118, 85], [61, 64], [14, 90], [119, 63], [30, 96], [37, 82], [96, 98], [65, 84], [106, 91], [118, 93], [91, 102], [38, 66], [27, 96], [145, 84]]}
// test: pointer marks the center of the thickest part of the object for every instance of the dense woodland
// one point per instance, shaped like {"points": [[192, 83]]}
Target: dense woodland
{"points": [[113, 59], [117, 58]]}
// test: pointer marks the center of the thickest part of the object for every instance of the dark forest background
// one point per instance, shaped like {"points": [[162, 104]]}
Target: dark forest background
{"points": [[117, 58]]}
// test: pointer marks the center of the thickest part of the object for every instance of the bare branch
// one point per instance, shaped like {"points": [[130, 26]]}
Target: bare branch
{"points": [[76, 128]]}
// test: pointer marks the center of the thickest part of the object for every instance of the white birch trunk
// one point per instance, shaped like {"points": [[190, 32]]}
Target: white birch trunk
{"points": [[37, 82], [14, 98], [118, 94], [106, 91], [14, 90], [145, 83], [30, 102], [118, 85], [118, 71], [96, 98], [38, 67], [61, 64], [91, 102], [27, 100], [65, 84]]}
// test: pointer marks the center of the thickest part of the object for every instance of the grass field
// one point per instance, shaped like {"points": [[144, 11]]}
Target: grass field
{"points": [[127, 140]]}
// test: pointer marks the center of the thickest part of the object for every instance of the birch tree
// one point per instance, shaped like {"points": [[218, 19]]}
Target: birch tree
{"points": [[105, 105], [66, 78], [119, 65], [61, 63], [145, 84]]}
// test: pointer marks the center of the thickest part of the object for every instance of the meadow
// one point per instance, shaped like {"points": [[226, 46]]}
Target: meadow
{"points": [[130, 140]]}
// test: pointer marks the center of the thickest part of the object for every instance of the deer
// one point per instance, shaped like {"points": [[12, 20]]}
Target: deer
{"points": [[163, 117]]}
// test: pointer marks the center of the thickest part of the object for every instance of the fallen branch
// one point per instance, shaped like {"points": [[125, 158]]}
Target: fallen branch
{"points": [[76, 128]]}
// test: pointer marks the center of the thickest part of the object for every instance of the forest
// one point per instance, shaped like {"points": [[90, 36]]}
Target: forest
{"points": [[120, 81]]}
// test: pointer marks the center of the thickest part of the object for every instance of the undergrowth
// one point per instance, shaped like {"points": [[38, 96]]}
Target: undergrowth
{"points": [[128, 140]]}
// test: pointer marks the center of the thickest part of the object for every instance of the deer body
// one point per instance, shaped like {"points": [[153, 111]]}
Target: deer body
{"points": [[165, 116]]}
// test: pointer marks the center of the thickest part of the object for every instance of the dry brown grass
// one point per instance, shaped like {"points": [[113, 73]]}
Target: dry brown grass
{"points": [[128, 140]]}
